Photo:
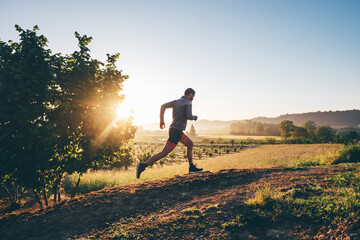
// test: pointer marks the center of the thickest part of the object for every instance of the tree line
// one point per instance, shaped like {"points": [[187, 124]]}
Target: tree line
{"points": [[57, 115], [252, 128], [308, 132]]}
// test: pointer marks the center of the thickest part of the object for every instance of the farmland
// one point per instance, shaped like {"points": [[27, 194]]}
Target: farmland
{"points": [[238, 157]]}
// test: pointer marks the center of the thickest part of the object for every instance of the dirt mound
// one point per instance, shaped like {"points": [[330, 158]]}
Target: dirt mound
{"points": [[140, 203]]}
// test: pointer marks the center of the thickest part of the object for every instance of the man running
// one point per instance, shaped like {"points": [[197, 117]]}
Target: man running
{"points": [[182, 111]]}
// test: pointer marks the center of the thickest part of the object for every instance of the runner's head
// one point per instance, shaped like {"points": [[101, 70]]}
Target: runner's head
{"points": [[189, 93]]}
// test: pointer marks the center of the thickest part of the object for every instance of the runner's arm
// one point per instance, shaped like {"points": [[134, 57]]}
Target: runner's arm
{"points": [[188, 112], [162, 111]]}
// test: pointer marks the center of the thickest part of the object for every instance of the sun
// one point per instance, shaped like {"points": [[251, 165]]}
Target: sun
{"points": [[124, 111]]}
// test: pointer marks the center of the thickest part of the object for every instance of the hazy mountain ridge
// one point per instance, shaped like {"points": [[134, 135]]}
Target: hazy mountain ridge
{"points": [[347, 118]]}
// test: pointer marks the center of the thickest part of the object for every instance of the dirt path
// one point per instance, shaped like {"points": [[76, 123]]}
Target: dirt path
{"points": [[141, 203]]}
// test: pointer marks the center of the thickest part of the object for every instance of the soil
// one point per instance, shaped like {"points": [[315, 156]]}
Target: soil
{"points": [[193, 206]]}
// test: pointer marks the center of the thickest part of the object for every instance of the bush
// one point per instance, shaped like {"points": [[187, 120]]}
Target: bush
{"points": [[234, 224], [144, 157], [348, 154], [308, 163]]}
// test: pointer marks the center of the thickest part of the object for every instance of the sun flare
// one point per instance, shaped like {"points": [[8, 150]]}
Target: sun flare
{"points": [[124, 111]]}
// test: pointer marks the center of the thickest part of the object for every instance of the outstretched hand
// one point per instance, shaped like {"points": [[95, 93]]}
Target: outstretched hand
{"points": [[162, 125]]}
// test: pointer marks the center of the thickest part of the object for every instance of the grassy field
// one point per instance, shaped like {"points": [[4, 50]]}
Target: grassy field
{"points": [[261, 157]]}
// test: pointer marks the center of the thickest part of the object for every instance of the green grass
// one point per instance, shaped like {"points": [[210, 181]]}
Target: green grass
{"points": [[337, 202], [348, 154], [261, 157]]}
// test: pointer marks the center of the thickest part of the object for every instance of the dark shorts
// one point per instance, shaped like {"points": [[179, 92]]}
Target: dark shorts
{"points": [[175, 136]]}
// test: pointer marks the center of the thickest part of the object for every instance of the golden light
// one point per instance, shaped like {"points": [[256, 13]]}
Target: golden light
{"points": [[124, 111]]}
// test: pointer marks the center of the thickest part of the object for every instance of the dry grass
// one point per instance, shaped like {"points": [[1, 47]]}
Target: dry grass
{"points": [[274, 156], [262, 157]]}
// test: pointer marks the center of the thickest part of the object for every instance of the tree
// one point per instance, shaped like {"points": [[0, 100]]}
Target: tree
{"points": [[286, 127], [259, 128], [249, 127], [26, 134], [299, 132], [85, 112], [271, 130], [192, 132], [324, 133], [57, 114], [309, 125]]}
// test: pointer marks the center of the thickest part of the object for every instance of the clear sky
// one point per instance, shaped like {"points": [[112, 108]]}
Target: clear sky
{"points": [[243, 58]]}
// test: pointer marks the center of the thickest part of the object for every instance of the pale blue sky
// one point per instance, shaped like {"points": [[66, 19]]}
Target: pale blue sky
{"points": [[243, 58]]}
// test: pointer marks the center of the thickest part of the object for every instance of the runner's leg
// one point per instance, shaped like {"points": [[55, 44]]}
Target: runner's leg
{"points": [[189, 144], [167, 149]]}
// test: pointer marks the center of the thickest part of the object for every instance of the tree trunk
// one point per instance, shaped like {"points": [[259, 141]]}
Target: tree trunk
{"points": [[10, 196], [44, 192], [15, 190], [55, 190], [59, 187], [59, 196], [37, 197], [76, 187]]}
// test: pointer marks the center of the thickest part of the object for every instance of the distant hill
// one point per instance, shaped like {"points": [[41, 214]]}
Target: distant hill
{"points": [[348, 118]]}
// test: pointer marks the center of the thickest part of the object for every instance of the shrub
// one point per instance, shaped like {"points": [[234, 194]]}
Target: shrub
{"points": [[308, 163], [144, 157], [234, 224], [348, 154], [270, 140], [191, 211], [262, 196]]}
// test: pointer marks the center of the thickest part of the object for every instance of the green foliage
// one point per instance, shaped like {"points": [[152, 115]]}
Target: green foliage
{"points": [[249, 127], [309, 125], [306, 134], [324, 133], [299, 132], [27, 137], [191, 211], [58, 113], [311, 205], [121, 159], [286, 127], [172, 156], [144, 156], [234, 224], [121, 233], [348, 154], [308, 163], [270, 140]]}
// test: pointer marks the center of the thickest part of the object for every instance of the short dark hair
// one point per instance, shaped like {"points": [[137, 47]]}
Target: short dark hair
{"points": [[189, 90]]}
